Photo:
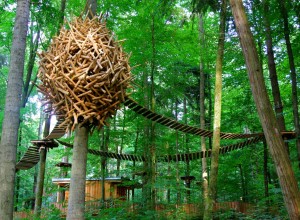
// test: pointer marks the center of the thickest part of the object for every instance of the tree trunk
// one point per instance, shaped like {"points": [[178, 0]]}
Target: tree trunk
{"points": [[18, 178], [41, 174], [31, 61], [202, 109], [293, 74], [243, 183], [267, 117], [105, 136], [91, 8], [145, 181], [78, 175], [266, 176], [212, 188], [135, 150], [186, 144], [62, 14], [178, 197], [11, 122], [272, 71], [102, 165], [152, 155], [40, 182]]}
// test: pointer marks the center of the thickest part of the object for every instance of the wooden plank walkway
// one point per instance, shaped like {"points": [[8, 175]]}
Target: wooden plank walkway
{"points": [[171, 158], [31, 157], [171, 123]]}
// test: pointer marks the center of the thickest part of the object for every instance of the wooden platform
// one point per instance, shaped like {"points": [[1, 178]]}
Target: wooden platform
{"points": [[32, 155]]}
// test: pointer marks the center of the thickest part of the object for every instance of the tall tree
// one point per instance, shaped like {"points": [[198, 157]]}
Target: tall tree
{"points": [[267, 117], [152, 159], [76, 204], [202, 107], [76, 201], [272, 70], [42, 169], [43, 151], [212, 187], [290, 54], [10, 126]]}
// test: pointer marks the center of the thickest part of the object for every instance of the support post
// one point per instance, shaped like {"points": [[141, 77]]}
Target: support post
{"points": [[40, 183], [41, 173]]}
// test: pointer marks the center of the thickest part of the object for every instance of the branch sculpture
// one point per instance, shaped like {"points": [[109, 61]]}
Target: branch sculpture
{"points": [[84, 74]]}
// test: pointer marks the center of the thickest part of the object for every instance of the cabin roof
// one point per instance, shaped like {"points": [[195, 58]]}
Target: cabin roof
{"points": [[63, 181]]}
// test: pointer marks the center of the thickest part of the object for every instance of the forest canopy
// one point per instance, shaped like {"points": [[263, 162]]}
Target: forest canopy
{"points": [[173, 48]]}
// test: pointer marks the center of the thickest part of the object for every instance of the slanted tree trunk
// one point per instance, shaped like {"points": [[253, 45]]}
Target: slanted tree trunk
{"points": [[212, 187], [284, 15], [202, 109], [267, 117], [78, 175], [11, 122]]}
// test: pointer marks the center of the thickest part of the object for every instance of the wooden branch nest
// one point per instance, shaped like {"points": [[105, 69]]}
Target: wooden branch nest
{"points": [[84, 74]]}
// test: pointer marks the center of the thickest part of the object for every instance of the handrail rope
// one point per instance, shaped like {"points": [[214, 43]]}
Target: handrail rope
{"points": [[153, 116], [169, 157], [31, 156]]}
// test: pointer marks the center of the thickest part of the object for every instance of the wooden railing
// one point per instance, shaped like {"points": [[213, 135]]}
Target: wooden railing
{"points": [[95, 207]]}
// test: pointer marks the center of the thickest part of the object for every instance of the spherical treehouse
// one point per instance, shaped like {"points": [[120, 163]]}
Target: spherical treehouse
{"points": [[84, 74]]}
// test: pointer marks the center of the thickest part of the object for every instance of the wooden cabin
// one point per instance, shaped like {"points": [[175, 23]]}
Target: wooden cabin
{"points": [[93, 189]]}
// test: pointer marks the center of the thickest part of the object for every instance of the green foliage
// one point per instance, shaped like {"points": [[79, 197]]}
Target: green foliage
{"points": [[162, 35]]}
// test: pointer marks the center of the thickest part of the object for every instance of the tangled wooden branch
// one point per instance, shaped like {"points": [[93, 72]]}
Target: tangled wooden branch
{"points": [[84, 74]]}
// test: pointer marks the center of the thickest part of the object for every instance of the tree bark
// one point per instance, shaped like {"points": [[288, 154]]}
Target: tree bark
{"points": [[178, 197], [272, 71], [41, 174], [91, 8], [202, 109], [212, 187], [40, 182], [292, 73], [78, 175], [18, 178], [152, 155], [11, 122], [243, 183], [32, 55], [267, 117], [266, 176], [62, 14], [146, 151], [186, 144], [104, 147], [135, 150]]}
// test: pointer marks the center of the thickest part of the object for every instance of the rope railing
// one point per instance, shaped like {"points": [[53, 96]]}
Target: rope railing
{"points": [[31, 156], [169, 158], [171, 123]]}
